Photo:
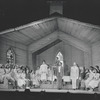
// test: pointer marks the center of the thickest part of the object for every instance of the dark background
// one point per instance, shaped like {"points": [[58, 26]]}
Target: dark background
{"points": [[15, 13]]}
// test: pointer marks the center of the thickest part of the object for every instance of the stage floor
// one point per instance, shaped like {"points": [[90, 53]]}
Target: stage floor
{"points": [[52, 91], [52, 88]]}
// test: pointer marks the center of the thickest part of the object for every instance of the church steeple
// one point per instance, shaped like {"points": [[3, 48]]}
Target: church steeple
{"points": [[56, 7]]}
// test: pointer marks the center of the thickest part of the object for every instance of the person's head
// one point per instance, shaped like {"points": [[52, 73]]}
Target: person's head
{"points": [[91, 68], [94, 70], [74, 64], [57, 58], [44, 62]]}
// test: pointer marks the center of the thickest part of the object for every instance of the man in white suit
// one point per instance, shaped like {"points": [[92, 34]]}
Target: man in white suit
{"points": [[74, 75]]}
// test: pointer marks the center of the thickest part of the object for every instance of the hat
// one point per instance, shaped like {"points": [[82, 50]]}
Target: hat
{"points": [[91, 68], [86, 70], [97, 68]]}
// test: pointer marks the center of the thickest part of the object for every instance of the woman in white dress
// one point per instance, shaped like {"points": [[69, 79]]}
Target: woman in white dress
{"points": [[91, 75], [34, 79], [21, 81], [96, 79], [44, 71]]}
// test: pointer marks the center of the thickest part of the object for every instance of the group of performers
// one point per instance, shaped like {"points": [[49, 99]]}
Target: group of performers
{"points": [[88, 78], [92, 78], [23, 77]]}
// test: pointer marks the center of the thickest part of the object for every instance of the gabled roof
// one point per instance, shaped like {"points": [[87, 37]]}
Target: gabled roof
{"points": [[34, 31], [29, 33]]}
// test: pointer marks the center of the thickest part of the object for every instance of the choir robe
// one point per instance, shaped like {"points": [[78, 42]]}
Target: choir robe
{"points": [[74, 76]]}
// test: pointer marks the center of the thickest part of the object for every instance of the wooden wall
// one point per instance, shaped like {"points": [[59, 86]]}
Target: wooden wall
{"points": [[19, 49], [71, 54], [96, 53], [72, 48]]}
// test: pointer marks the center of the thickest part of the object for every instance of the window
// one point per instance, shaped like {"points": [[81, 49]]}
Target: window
{"points": [[10, 56], [60, 57]]}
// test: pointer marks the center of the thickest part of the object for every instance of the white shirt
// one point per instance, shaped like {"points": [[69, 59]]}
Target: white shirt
{"points": [[74, 72]]}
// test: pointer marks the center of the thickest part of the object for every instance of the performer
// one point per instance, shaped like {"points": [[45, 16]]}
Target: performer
{"points": [[58, 65], [27, 72], [38, 74], [95, 80], [34, 79], [21, 81], [81, 77], [59, 75], [82, 72], [89, 76], [44, 71], [57, 61], [50, 75], [74, 75]]}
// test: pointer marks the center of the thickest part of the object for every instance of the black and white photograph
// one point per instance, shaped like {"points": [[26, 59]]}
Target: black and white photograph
{"points": [[49, 49]]}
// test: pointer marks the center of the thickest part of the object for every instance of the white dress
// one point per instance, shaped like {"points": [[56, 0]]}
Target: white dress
{"points": [[87, 81], [95, 81], [21, 79], [43, 71]]}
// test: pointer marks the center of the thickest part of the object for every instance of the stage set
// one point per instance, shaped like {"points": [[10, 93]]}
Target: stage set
{"points": [[48, 78], [55, 55]]}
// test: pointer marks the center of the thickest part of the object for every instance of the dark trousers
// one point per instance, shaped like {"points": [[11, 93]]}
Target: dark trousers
{"points": [[59, 81]]}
